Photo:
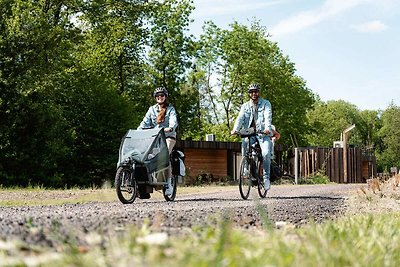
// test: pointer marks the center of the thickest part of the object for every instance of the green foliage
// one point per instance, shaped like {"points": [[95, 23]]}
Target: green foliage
{"points": [[390, 134], [62, 118], [35, 48], [316, 178], [170, 57], [368, 240], [95, 132], [328, 120], [75, 75], [368, 129], [244, 55]]}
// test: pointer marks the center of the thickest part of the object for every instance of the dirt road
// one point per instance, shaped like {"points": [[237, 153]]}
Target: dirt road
{"points": [[293, 204]]}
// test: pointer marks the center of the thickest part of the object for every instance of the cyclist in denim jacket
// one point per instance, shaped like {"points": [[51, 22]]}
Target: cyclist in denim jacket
{"points": [[257, 113], [163, 115]]}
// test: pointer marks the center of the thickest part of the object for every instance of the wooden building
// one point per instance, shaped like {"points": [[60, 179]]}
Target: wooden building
{"points": [[210, 159]]}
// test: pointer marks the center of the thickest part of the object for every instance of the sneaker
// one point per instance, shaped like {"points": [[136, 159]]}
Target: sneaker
{"points": [[267, 184]]}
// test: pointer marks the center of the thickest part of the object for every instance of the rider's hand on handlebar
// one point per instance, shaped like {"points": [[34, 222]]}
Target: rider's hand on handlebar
{"points": [[233, 132], [168, 129], [266, 131], [276, 134]]}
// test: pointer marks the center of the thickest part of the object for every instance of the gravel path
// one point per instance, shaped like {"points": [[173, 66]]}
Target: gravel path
{"points": [[47, 225]]}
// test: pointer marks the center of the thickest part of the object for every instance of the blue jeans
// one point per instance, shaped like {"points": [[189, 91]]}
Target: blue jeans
{"points": [[266, 151]]}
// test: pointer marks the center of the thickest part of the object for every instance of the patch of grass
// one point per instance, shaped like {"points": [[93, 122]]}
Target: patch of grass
{"points": [[367, 240], [317, 178]]}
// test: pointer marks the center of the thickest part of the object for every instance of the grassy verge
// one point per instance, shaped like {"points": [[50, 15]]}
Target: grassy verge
{"points": [[364, 240]]}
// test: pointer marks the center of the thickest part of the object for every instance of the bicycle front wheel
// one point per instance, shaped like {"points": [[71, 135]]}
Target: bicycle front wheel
{"points": [[245, 178], [125, 185], [172, 194], [260, 187]]}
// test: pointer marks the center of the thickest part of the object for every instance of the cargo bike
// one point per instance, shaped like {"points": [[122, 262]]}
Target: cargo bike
{"points": [[143, 166]]}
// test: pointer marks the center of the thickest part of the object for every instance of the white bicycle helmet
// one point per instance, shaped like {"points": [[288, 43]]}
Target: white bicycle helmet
{"points": [[253, 87], [160, 90]]}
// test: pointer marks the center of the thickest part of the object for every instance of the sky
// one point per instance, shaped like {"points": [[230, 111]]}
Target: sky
{"points": [[343, 49]]}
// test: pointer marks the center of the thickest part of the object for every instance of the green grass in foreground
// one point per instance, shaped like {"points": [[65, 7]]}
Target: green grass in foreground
{"points": [[367, 240]]}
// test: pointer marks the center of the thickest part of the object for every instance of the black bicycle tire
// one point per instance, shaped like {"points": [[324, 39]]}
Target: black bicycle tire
{"points": [[260, 186], [118, 182], [243, 193], [171, 197]]}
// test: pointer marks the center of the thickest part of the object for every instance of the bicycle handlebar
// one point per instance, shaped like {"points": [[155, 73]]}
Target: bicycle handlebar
{"points": [[248, 132], [166, 129]]}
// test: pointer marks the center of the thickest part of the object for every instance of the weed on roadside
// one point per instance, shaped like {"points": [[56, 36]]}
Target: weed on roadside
{"points": [[367, 240]]}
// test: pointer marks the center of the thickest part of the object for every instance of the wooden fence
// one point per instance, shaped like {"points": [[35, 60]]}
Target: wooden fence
{"points": [[222, 159], [330, 161]]}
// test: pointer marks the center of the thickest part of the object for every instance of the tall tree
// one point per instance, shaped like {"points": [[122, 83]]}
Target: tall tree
{"points": [[35, 47], [202, 78], [328, 120], [390, 134], [170, 57], [368, 128], [62, 88], [245, 55]]}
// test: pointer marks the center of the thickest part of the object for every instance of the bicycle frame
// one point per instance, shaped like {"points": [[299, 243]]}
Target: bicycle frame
{"points": [[253, 154], [251, 165]]}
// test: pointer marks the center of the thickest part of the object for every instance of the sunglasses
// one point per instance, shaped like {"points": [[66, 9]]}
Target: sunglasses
{"points": [[162, 95], [253, 92]]}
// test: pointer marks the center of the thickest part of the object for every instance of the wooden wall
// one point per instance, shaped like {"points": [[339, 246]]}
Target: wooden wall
{"points": [[206, 161]]}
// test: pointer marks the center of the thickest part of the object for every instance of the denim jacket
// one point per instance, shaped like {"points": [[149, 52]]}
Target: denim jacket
{"points": [[150, 119], [264, 116]]}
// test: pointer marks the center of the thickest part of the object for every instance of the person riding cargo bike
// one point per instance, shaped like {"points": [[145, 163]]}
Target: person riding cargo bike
{"points": [[162, 115], [256, 114], [147, 159]]}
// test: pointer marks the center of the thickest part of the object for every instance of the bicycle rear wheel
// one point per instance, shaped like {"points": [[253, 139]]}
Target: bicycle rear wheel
{"points": [[245, 178], [260, 187]]}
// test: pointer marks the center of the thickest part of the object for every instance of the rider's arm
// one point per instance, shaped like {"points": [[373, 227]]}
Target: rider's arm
{"points": [[268, 118], [239, 120], [147, 121], [172, 120]]}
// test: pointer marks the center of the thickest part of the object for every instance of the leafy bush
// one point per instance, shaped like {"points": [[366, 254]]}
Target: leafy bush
{"points": [[317, 178]]}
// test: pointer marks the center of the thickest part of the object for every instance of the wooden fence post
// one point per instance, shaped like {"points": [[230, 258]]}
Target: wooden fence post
{"points": [[345, 137]]}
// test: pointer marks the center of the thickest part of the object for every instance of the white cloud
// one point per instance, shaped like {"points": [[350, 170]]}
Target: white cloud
{"points": [[329, 9], [371, 26]]}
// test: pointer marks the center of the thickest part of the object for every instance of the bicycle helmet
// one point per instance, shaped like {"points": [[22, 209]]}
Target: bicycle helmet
{"points": [[160, 90], [253, 87]]}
